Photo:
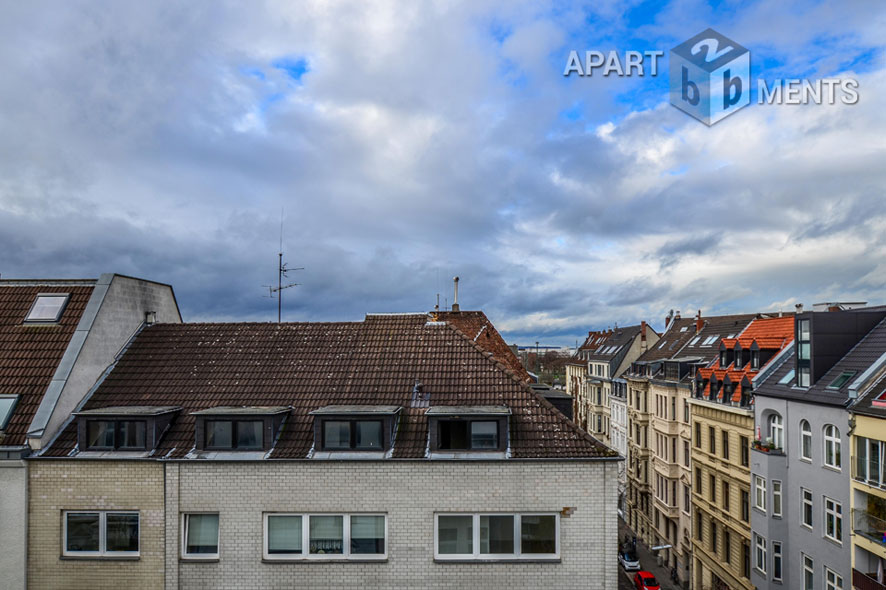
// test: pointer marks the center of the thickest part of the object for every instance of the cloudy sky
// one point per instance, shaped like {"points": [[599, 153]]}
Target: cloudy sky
{"points": [[407, 142]]}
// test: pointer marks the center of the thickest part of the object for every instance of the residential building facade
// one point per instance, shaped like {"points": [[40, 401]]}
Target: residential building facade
{"points": [[722, 417], [800, 469], [57, 337], [361, 454]]}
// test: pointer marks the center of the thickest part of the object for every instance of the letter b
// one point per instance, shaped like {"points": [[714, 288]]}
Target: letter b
{"points": [[691, 98]]}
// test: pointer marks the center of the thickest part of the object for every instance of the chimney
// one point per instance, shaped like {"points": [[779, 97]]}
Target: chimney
{"points": [[699, 323], [677, 317], [799, 308], [834, 308], [643, 332], [455, 300], [668, 319]]}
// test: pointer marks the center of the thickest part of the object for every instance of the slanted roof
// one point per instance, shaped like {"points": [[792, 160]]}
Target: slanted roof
{"points": [[864, 354], [615, 344], [313, 365], [30, 353], [476, 326], [672, 340], [715, 328], [129, 411]]}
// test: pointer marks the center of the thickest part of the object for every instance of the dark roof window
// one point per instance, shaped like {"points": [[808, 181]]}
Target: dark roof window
{"points": [[354, 428], [468, 428], [48, 308], [841, 379], [238, 428], [123, 428], [7, 406]]}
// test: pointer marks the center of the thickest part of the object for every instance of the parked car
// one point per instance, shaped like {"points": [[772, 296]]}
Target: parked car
{"points": [[629, 561], [645, 581]]}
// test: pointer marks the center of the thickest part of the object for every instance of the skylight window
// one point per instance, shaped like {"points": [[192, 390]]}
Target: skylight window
{"points": [[684, 328], [787, 378], [710, 340], [694, 341], [841, 380], [7, 405], [47, 308], [663, 342]]}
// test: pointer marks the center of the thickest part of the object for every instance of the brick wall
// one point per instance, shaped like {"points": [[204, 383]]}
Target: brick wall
{"points": [[410, 492], [97, 485]]}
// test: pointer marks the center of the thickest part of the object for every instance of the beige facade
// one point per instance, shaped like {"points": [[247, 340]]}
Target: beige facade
{"points": [[670, 444], [868, 501], [639, 498], [84, 485], [721, 536]]}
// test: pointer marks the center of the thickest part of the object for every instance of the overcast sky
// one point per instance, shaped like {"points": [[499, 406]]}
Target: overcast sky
{"points": [[409, 142]]}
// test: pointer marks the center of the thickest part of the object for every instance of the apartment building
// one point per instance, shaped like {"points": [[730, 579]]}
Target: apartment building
{"points": [[577, 374], [358, 454], [722, 417], [800, 470], [868, 484], [57, 337]]}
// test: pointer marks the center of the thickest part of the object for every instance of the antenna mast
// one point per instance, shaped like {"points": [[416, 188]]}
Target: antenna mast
{"points": [[282, 269]]}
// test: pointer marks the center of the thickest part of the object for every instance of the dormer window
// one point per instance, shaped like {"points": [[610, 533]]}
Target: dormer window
{"points": [[47, 308], [737, 358], [238, 428], [755, 359], [468, 429], [362, 430], [7, 405], [723, 359], [123, 428]]}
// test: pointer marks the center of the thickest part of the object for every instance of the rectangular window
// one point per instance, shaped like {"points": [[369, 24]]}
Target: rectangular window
{"points": [[760, 553], [776, 497], [466, 435], [359, 435], [47, 308], [698, 480], [713, 488], [697, 435], [833, 520], [497, 536], [200, 536], [325, 536], [686, 501], [806, 507], [759, 493], [725, 449], [243, 435], [686, 454], [745, 451], [727, 546], [746, 560], [115, 434], [832, 580], [686, 411], [713, 537], [808, 573], [726, 496], [712, 440], [101, 533], [699, 524], [776, 561], [745, 506], [803, 378]]}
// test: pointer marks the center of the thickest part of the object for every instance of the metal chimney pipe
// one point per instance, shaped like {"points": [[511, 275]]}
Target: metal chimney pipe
{"points": [[455, 300]]}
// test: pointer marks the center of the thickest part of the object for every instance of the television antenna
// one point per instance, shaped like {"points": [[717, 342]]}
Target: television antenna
{"points": [[282, 270]]}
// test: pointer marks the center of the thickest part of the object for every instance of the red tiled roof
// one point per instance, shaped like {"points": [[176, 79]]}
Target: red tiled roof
{"points": [[30, 353], [477, 327], [311, 365]]}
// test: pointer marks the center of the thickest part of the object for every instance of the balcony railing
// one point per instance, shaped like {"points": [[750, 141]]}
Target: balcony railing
{"points": [[869, 526], [868, 472], [863, 581]]}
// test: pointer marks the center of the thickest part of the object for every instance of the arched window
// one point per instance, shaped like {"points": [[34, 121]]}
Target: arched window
{"points": [[832, 455], [776, 431], [805, 440]]}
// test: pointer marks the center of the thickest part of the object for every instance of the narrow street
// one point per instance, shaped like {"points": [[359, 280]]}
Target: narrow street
{"points": [[648, 563]]}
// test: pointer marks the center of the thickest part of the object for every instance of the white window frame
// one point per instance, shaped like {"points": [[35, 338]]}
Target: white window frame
{"points": [[808, 567], [184, 539], [835, 512], [776, 430], [518, 527], [836, 584], [805, 433], [760, 553], [803, 503], [777, 555], [836, 450], [59, 313], [777, 493], [760, 493], [306, 554], [102, 534]]}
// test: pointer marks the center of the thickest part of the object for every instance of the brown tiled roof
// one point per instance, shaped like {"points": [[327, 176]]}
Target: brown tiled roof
{"points": [[672, 340], [30, 353], [476, 326], [312, 365]]}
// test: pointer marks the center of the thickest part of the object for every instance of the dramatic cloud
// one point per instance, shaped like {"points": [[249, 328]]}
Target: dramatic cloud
{"points": [[406, 143]]}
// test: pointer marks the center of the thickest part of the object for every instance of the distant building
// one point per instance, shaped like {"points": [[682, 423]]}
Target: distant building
{"points": [[57, 337], [392, 452]]}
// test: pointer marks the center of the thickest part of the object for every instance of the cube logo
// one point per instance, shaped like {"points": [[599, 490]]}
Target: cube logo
{"points": [[710, 76]]}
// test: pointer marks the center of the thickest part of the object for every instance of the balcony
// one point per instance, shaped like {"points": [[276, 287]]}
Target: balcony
{"points": [[869, 473], [667, 510], [862, 581], [869, 526]]}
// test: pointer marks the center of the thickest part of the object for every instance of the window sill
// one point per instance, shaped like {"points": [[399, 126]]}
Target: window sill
{"points": [[199, 559], [310, 560], [832, 468], [833, 541], [100, 557], [527, 560]]}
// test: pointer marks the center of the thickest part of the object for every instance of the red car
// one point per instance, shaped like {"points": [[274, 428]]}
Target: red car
{"points": [[646, 581]]}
